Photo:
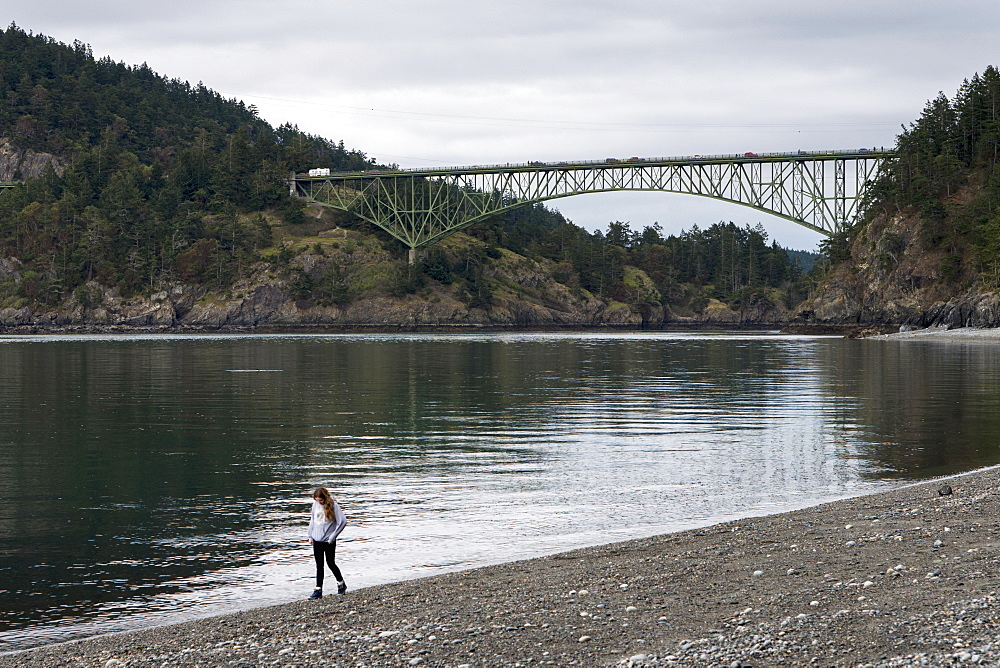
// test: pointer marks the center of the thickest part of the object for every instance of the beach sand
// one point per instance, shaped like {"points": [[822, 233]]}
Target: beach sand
{"points": [[904, 577]]}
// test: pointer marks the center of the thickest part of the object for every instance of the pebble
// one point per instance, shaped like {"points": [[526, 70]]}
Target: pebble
{"points": [[767, 645]]}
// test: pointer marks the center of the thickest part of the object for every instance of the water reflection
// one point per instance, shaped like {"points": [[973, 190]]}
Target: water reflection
{"points": [[933, 407], [146, 479]]}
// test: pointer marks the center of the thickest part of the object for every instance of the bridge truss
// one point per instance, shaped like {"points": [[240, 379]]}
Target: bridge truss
{"points": [[818, 190]]}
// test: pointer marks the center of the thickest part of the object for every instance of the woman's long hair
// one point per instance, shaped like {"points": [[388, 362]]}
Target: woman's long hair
{"points": [[323, 496]]}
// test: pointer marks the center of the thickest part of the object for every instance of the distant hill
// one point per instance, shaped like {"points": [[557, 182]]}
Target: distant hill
{"points": [[805, 260]]}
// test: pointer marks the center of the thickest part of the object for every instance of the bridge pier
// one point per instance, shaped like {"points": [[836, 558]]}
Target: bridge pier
{"points": [[414, 255]]}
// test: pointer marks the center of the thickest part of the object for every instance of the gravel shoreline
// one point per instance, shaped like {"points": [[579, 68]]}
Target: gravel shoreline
{"points": [[943, 334], [906, 577]]}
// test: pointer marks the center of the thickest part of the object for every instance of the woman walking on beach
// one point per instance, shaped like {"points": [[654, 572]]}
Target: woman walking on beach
{"points": [[326, 521]]}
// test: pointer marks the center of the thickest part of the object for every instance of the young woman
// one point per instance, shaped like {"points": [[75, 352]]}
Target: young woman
{"points": [[326, 521]]}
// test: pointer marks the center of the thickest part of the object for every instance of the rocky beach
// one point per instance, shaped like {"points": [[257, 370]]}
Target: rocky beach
{"points": [[946, 335], [906, 577]]}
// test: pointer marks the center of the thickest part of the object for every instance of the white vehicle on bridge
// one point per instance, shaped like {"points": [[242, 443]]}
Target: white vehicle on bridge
{"points": [[320, 171]]}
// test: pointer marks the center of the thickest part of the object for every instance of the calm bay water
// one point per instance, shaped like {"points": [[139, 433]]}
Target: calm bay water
{"points": [[150, 479]]}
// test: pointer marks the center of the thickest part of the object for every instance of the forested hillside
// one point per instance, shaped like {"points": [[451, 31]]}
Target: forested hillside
{"points": [[135, 185], [928, 252], [155, 165]]}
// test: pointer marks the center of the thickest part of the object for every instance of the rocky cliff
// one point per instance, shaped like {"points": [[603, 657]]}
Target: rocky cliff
{"points": [[17, 164], [893, 280], [263, 301]]}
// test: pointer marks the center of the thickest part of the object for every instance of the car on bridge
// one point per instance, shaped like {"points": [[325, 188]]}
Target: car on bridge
{"points": [[612, 161], [749, 154]]}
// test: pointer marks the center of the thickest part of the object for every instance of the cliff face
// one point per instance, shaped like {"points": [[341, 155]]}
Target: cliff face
{"points": [[17, 164], [262, 301], [893, 280]]}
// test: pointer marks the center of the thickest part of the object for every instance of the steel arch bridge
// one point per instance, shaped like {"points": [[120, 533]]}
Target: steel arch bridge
{"points": [[820, 190]]}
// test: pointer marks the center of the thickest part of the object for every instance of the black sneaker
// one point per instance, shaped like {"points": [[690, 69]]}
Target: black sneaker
{"points": [[342, 588], [317, 593]]}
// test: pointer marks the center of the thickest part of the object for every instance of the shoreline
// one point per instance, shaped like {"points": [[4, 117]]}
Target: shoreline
{"points": [[961, 334], [57, 330], [958, 334], [867, 580], [877, 332]]}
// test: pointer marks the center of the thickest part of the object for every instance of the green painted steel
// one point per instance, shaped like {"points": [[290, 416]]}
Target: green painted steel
{"points": [[8, 184], [821, 190]]}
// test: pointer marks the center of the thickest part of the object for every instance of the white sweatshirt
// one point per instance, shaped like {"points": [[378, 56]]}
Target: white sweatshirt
{"points": [[320, 529]]}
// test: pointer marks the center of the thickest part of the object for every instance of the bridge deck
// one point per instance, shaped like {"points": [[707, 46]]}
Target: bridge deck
{"points": [[618, 163]]}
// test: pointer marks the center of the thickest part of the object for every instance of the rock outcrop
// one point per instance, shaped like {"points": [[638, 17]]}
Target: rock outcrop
{"points": [[18, 163], [892, 280], [524, 296]]}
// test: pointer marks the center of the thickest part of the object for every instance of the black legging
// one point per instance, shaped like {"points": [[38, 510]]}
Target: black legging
{"points": [[330, 550]]}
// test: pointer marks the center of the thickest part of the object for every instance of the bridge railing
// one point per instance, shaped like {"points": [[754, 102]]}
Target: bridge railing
{"points": [[748, 156]]}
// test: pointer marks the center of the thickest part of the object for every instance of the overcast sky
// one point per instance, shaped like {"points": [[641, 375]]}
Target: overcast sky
{"points": [[456, 82]]}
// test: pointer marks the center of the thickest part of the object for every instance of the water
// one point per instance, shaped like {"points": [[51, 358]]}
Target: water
{"points": [[151, 479]]}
